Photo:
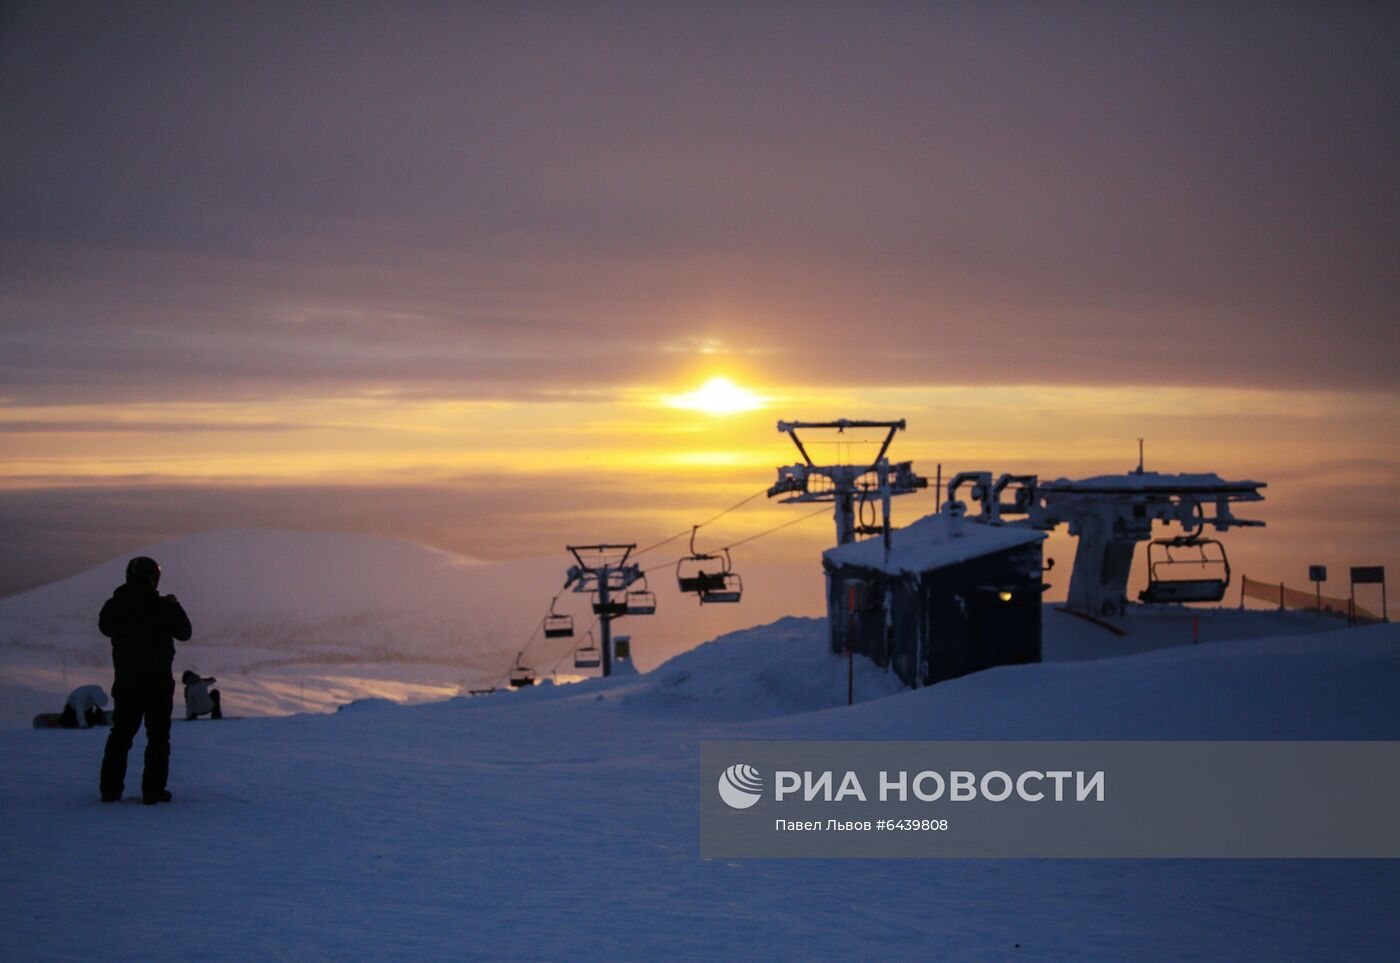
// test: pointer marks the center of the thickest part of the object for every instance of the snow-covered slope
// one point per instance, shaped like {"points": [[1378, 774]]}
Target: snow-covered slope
{"points": [[294, 621], [562, 823], [306, 622], [290, 621]]}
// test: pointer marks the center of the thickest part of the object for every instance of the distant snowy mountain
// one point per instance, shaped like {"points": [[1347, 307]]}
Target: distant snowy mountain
{"points": [[277, 607], [295, 621]]}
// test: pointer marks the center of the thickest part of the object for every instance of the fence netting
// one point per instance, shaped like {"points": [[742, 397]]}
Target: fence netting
{"points": [[1291, 598]]}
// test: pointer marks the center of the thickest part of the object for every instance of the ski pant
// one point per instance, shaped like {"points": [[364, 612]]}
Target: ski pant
{"points": [[149, 698]]}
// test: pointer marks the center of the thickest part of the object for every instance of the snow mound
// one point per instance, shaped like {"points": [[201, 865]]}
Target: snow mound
{"points": [[771, 670], [1336, 685]]}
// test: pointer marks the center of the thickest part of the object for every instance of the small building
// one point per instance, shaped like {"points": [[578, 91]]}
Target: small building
{"points": [[953, 595]]}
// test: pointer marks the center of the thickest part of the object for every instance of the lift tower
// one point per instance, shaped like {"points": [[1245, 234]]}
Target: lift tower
{"points": [[847, 484], [604, 571]]}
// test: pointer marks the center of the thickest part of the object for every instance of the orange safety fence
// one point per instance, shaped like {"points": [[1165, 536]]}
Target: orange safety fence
{"points": [[1291, 598]]}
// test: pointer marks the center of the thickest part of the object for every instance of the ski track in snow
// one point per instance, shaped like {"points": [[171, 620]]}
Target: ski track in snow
{"points": [[563, 821]]}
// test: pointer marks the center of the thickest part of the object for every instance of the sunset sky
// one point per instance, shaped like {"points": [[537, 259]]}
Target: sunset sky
{"points": [[450, 271]]}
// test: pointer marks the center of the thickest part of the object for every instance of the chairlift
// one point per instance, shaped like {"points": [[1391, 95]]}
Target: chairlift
{"points": [[522, 677], [558, 626], [700, 572], [615, 605], [1177, 574], [588, 655], [641, 601], [731, 590]]}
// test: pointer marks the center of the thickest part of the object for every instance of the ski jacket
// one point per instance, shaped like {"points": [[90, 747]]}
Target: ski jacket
{"points": [[197, 700], [143, 626]]}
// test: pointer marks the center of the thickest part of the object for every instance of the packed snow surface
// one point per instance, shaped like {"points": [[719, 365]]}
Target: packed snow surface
{"points": [[562, 822]]}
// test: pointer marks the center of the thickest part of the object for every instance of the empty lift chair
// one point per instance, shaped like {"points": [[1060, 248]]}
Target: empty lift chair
{"points": [[522, 676], [1187, 568], [641, 601], [558, 626], [588, 655]]}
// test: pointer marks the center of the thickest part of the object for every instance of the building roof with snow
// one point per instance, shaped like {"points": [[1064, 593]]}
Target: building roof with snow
{"points": [[933, 542], [1149, 482]]}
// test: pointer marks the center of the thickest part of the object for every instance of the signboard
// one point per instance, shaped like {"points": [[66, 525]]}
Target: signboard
{"points": [[1368, 575], [1317, 573]]}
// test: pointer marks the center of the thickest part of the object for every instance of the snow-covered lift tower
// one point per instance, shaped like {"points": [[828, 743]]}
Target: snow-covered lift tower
{"points": [[844, 484], [1110, 514], [604, 571]]}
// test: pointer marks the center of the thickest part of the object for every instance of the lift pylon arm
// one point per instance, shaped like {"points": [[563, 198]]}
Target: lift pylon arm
{"points": [[844, 484]]}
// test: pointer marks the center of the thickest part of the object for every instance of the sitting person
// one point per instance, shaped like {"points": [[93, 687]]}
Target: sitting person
{"points": [[84, 707], [200, 700]]}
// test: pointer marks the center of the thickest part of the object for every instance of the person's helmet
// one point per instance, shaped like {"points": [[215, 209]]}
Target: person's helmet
{"points": [[143, 569]]}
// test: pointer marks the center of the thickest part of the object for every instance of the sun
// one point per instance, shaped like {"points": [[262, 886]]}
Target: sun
{"points": [[718, 396]]}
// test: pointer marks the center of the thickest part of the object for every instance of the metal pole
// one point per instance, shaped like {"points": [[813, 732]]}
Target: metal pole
{"points": [[850, 674], [605, 620], [845, 518]]}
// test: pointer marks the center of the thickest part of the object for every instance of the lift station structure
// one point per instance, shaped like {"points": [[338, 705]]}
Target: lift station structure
{"points": [[605, 572], [1111, 514], [849, 486]]}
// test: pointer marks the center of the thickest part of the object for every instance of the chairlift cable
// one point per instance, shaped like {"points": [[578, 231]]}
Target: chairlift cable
{"points": [[777, 528], [714, 518], [743, 541]]}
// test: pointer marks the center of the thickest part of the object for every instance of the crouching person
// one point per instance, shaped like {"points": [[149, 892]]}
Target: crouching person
{"points": [[200, 700], [84, 707]]}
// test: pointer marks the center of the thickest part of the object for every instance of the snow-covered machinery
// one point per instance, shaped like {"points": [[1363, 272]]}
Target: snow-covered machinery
{"points": [[1111, 514], [850, 486]]}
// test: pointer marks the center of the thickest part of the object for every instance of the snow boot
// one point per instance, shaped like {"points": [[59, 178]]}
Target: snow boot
{"points": [[160, 797]]}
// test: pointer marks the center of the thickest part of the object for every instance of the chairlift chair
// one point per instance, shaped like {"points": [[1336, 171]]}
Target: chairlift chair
{"points": [[730, 590], [701, 572], [558, 626], [588, 655], [1202, 577], [615, 605], [641, 601], [522, 677]]}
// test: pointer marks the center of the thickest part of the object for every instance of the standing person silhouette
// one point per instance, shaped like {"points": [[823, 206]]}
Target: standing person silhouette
{"points": [[143, 626]]}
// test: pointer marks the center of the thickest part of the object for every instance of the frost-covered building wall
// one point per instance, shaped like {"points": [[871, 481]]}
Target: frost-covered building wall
{"points": [[953, 596]]}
